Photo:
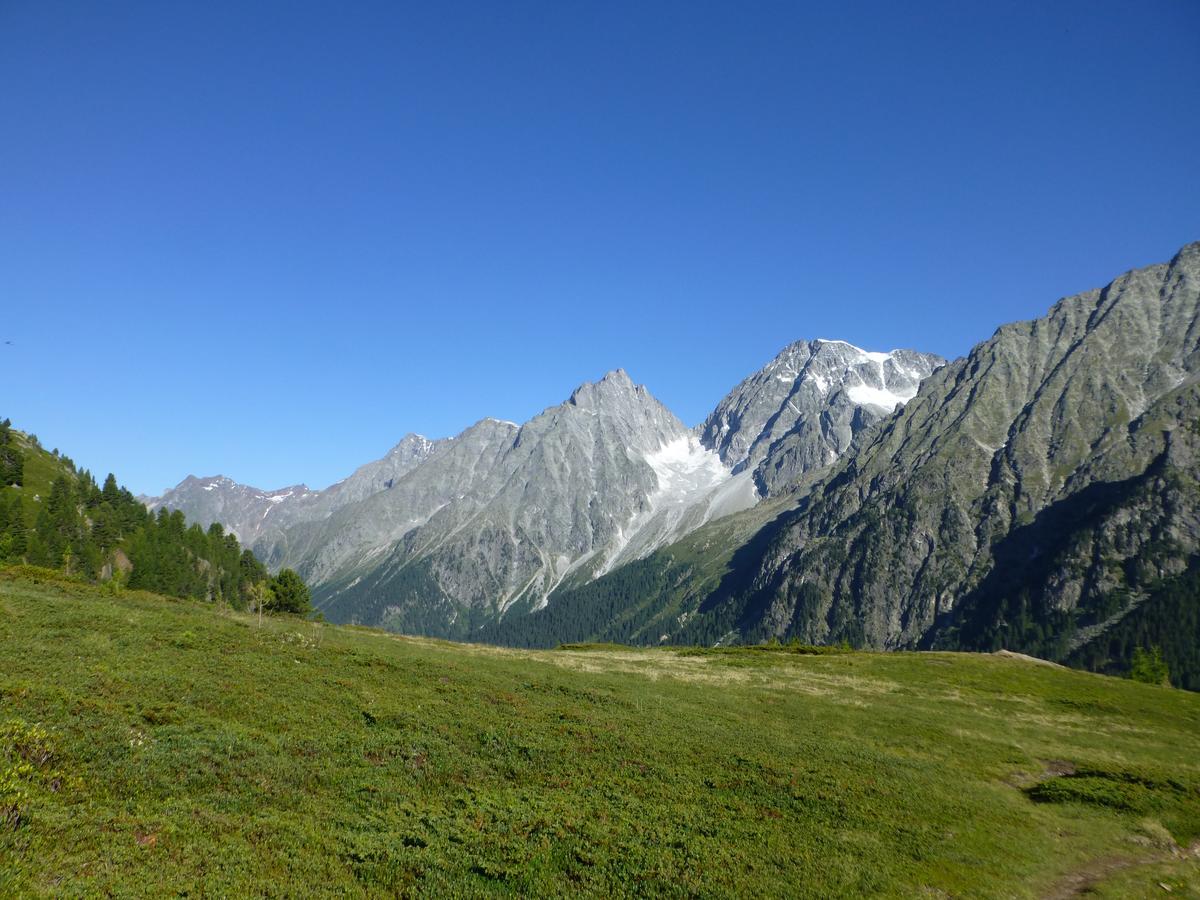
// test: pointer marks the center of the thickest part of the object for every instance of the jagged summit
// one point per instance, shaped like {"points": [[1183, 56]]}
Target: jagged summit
{"points": [[802, 410], [615, 386], [501, 513], [411, 443], [212, 483], [1046, 482]]}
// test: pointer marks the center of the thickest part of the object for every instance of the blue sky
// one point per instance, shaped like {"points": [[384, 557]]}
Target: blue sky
{"points": [[269, 239]]}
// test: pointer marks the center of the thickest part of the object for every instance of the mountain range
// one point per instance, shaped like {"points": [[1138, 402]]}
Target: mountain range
{"points": [[446, 536], [1039, 493]]}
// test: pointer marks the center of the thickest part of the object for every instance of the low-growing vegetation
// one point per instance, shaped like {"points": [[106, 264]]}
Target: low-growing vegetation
{"points": [[152, 747]]}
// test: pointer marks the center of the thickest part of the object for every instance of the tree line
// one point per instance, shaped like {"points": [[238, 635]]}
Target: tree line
{"points": [[104, 533]]}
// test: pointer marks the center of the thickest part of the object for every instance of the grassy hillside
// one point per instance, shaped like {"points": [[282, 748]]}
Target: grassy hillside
{"points": [[150, 746], [40, 468]]}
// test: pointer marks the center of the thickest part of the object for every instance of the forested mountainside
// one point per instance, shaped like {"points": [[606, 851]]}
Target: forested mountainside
{"points": [[54, 515]]}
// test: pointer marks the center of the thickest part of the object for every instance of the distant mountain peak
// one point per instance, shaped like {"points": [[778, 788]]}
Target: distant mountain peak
{"points": [[210, 482], [251, 512], [615, 385], [412, 439], [802, 410]]}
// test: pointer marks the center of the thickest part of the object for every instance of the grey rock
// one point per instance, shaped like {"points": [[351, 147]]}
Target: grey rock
{"points": [[259, 517], [441, 536], [506, 522], [1017, 492], [802, 411]]}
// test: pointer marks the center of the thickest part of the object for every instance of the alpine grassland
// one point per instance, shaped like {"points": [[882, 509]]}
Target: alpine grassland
{"points": [[153, 746]]}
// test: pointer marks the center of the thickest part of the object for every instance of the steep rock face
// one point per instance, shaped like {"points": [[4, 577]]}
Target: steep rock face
{"points": [[1035, 484], [442, 536], [572, 487], [259, 517], [355, 533], [803, 409]]}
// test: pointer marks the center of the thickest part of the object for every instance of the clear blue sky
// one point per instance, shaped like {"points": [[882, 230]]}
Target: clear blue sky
{"points": [[268, 239]]}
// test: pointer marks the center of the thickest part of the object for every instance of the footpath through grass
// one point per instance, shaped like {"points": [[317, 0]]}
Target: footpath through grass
{"points": [[152, 747]]}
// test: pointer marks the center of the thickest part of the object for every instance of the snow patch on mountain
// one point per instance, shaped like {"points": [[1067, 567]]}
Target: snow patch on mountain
{"points": [[865, 395], [873, 355], [683, 467], [694, 487]]}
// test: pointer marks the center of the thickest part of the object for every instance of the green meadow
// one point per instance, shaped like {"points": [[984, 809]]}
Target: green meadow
{"points": [[154, 747]]}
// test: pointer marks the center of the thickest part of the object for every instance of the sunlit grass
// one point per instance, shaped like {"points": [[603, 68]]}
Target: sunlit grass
{"points": [[193, 751]]}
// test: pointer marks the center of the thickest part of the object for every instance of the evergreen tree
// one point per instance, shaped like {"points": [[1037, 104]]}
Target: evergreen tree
{"points": [[1148, 666], [110, 493], [57, 523], [17, 533], [38, 554], [290, 594], [12, 462], [8, 512]]}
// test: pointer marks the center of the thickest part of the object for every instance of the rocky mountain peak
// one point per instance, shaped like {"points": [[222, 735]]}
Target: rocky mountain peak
{"points": [[615, 387], [411, 444], [802, 409], [1046, 480]]}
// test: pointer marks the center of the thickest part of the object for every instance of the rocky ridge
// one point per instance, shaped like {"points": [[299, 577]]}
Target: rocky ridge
{"points": [[1031, 488], [802, 411], [441, 533]]}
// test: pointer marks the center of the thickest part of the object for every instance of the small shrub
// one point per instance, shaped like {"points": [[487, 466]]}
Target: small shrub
{"points": [[12, 794], [29, 743], [1092, 791], [30, 751], [1128, 791], [186, 640], [114, 586]]}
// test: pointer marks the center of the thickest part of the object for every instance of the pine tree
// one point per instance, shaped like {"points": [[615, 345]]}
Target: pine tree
{"points": [[291, 594], [1149, 666], [110, 492], [8, 512], [12, 462]]}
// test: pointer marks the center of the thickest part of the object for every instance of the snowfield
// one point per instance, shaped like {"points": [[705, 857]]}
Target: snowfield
{"points": [[694, 487]]}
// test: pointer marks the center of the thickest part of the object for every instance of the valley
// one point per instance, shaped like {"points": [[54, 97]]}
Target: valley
{"points": [[1027, 496]]}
